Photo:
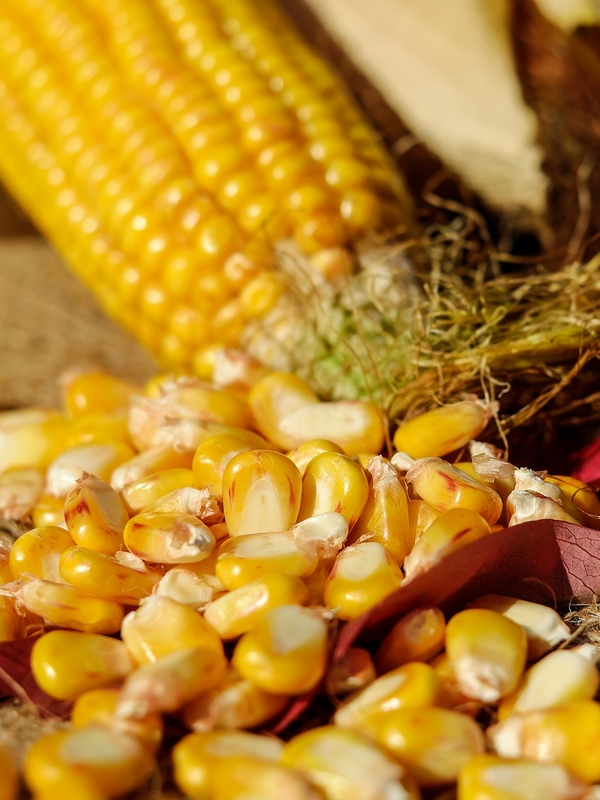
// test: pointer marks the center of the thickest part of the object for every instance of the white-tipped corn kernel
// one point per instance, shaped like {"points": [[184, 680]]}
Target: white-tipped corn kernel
{"points": [[149, 462], [323, 534], [20, 490], [185, 587], [522, 506], [168, 538], [95, 459], [354, 425], [276, 397], [95, 515]]}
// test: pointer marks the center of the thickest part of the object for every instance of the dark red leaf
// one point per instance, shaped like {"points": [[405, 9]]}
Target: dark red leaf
{"points": [[587, 462], [16, 679]]}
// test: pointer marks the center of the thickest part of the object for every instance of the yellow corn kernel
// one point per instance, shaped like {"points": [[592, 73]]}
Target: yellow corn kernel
{"points": [[412, 685], [417, 636], [246, 558], [98, 429], [432, 744], [31, 437], [234, 703], [161, 626], [489, 777], [99, 460], [10, 619], [98, 706], [334, 482], [384, 518], [560, 677], [195, 756], [240, 610], [524, 506], [351, 673], [444, 487], [9, 789], [305, 452], [100, 661], [6, 573], [487, 652], [95, 515], [362, 575], [568, 735], [451, 694], [148, 462], [452, 530], [577, 495], [167, 684], [182, 585], [112, 761], [441, 430], [146, 491], [245, 777], [216, 452], [49, 510], [275, 397], [200, 503], [104, 576], [204, 570], [236, 369], [323, 535], [544, 627], [420, 517], [68, 607], [286, 653], [97, 393], [345, 766], [20, 490], [71, 784], [163, 538], [261, 492], [36, 553]]}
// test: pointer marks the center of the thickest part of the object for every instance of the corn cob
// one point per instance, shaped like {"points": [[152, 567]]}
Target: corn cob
{"points": [[171, 148]]}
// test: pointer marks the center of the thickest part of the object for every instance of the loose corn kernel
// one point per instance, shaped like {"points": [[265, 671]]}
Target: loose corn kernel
{"points": [[432, 744], [100, 661], [236, 369], [36, 553], [523, 506], [452, 530], [560, 677], [420, 516], [167, 684], [71, 784], [240, 610], [112, 761], [195, 756], [161, 626], [98, 706], [345, 766], [9, 789], [205, 570], [96, 393], [417, 636], [543, 626], [286, 652], [261, 492], [244, 777], [234, 703], [487, 652], [444, 487], [441, 430], [412, 685], [216, 452], [148, 462], [182, 585], [451, 694], [578, 497], [10, 619], [322, 534], [355, 425], [140, 494], [200, 503], [168, 538], [384, 518], [568, 735], [98, 460], [95, 515], [333, 482], [68, 607], [98, 429], [246, 558], [275, 397], [489, 777], [20, 490], [31, 438], [103, 576], [352, 672], [362, 575], [49, 510], [305, 452]]}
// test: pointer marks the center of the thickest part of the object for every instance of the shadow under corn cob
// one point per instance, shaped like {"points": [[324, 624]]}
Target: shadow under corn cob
{"points": [[170, 144]]}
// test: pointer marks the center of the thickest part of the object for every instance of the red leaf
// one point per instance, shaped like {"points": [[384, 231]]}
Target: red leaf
{"points": [[16, 680], [587, 462]]}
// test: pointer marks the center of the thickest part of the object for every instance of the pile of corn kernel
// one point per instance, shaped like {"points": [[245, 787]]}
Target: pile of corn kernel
{"points": [[188, 547]]}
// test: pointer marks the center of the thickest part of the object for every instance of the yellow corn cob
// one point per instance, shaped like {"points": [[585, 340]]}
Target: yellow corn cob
{"points": [[98, 706], [100, 661], [197, 140], [112, 761], [195, 756], [489, 777], [417, 636]]}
